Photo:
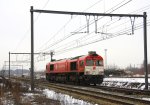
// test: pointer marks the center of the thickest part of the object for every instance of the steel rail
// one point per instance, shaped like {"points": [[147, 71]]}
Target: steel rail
{"points": [[108, 97], [123, 90], [94, 97]]}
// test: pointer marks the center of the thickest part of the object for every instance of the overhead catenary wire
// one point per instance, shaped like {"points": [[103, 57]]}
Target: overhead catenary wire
{"points": [[127, 32], [104, 38], [39, 15], [84, 37], [65, 26], [111, 35], [119, 34], [119, 5], [123, 33], [111, 29]]}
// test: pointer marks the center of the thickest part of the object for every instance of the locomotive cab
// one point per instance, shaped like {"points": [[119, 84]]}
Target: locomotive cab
{"points": [[94, 69]]}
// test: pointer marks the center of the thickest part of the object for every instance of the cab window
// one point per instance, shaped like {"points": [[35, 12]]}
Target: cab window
{"points": [[81, 63], [89, 63], [51, 67], [73, 66], [99, 63]]}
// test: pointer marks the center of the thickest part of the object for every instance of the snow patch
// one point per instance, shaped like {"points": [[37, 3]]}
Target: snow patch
{"points": [[132, 83], [64, 99], [148, 99]]}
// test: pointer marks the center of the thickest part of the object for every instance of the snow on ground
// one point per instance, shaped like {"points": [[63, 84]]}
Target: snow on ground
{"points": [[134, 83], [64, 99], [28, 96], [135, 80]]}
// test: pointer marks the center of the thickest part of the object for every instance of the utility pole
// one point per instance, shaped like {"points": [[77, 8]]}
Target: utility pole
{"points": [[22, 71], [145, 50], [51, 54], [32, 50], [9, 65]]}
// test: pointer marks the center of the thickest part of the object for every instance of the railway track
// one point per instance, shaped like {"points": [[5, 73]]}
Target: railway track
{"points": [[126, 91], [94, 95]]}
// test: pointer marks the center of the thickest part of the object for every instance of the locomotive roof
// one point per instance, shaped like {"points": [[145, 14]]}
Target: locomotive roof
{"points": [[72, 58], [77, 57]]}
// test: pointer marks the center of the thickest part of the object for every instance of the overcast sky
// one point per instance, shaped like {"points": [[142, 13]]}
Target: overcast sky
{"points": [[50, 29]]}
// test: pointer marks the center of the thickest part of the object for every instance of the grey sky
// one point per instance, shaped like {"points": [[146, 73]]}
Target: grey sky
{"points": [[122, 50]]}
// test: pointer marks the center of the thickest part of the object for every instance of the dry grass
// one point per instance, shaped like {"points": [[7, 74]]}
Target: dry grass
{"points": [[16, 93]]}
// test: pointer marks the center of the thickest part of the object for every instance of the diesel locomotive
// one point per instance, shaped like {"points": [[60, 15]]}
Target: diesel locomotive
{"points": [[85, 69]]}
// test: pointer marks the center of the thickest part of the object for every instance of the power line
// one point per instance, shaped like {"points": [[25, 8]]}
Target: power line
{"points": [[109, 24], [119, 5], [87, 35], [64, 27], [122, 32], [84, 37], [122, 3]]}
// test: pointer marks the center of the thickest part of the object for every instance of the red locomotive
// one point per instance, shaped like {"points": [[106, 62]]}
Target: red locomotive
{"points": [[87, 69]]}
